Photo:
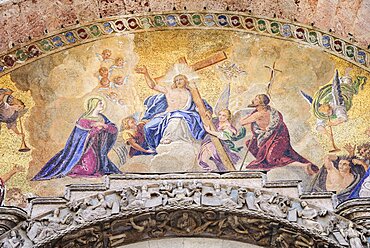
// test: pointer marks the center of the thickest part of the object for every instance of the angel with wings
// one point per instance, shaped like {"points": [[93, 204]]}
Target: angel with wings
{"points": [[332, 101], [226, 132], [329, 108], [133, 135], [11, 109], [105, 58]]}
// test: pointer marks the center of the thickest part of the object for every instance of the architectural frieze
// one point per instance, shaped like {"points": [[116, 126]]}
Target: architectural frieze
{"points": [[193, 208]]}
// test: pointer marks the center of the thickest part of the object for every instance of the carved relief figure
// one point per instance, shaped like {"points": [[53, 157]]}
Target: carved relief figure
{"points": [[186, 222], [354, 237], [140, 197], [14, 240], [275, 204], [180, 195], [309, 217], [86, 150]]}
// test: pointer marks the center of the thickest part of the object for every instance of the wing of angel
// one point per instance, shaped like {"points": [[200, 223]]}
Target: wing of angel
{"points": [[99, 56], [223, 100], [336, 91], [137, 116], [235, 121], [307, 97]]}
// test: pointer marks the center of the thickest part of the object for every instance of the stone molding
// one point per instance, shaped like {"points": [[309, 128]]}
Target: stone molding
{"points": [[177, 208], [357, 210], [11, 217]]}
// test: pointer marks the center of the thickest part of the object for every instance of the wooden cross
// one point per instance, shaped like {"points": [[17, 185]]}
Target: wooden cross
{"points": [[214, 59], [273, 71]]}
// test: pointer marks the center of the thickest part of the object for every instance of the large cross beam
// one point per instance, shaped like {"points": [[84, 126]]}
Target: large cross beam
{"points": [[214, 59]]}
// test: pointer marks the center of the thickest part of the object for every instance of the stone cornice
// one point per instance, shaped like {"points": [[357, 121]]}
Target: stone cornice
{"points": [[170, 208]]}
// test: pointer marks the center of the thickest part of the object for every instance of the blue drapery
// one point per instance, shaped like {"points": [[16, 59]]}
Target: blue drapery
{"points": [[155, 112], [356, 191], [63, 162]]}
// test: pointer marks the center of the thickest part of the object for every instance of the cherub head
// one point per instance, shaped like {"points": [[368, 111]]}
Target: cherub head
{"points": [[118, 80], [106, 54], [129, 123], [104, 82], [364, 150], [119, 61], [103, 72]]}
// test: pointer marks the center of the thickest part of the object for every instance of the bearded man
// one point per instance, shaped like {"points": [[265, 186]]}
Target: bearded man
{"points": [[270, 144]]}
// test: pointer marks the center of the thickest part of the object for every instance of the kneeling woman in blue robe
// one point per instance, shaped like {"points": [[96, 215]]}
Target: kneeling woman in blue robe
{"points": [[86, 151]]}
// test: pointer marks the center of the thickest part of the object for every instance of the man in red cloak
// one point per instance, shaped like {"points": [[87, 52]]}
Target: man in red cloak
{"points": [[270, 144]]}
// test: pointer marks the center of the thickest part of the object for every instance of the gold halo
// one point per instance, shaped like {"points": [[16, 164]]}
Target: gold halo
{"points": [[178, 69]]}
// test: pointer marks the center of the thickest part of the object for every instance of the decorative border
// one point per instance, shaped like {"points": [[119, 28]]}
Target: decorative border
{"points": [[319, 241], [121, 25], [176, 195]]}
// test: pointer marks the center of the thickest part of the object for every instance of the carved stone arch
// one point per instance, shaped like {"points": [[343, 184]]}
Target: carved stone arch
{"points": [[220, 223], [189, 242], [10, 217], [162, 209]]}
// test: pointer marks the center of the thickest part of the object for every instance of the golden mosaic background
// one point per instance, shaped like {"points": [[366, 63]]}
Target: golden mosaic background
{"points": [[54, 89]]}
